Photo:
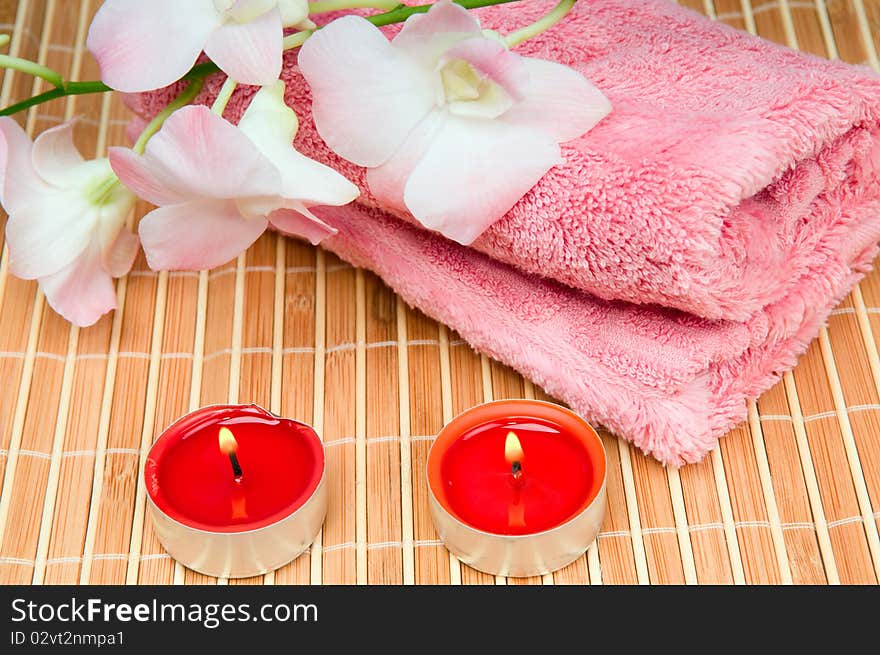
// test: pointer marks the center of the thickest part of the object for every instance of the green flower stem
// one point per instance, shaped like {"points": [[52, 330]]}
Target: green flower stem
{"points": [[4, 40], [325, 6], [68, 89], [296, 39], [223, 96], [32, 68], [102, 191], [200, 71], [559, 12], [403, 12], [185, 97]]}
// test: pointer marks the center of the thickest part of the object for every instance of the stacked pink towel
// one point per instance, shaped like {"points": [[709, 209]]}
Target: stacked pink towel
{"points": [[734, 180]]}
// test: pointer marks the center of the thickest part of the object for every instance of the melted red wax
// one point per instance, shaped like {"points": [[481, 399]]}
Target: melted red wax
{"points": [[193, 482], [557, 477]]}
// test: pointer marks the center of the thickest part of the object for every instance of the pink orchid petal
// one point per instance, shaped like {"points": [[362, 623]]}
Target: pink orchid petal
{"points": [[196, 154], [388, 181], [474, 172], [82, 291], [49, 232], [496, 62], [197, 235], [427, 36], [147, 45], [312, 182], [367, 95], [301, 223], [271, 126], [558, 100], [54, 154], [119, 255], [249, 52], [19, 181]]}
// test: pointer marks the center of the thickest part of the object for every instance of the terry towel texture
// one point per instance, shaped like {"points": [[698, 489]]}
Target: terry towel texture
{"points": [[734, 180]]}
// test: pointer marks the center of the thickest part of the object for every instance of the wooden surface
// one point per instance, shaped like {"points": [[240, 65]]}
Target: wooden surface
{"points": [[793, 496]]}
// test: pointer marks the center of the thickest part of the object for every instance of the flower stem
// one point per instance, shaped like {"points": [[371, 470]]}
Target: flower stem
{"points": [[32, 68], [4, 40], [68, 89], [296, 39], [404, 11], [223, 96], [555, 15], [102, 191], [155, 125], [324, 6]]}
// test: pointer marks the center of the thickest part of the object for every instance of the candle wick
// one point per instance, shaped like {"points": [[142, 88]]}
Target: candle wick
{"points": [[516, 470], [236, 467]]}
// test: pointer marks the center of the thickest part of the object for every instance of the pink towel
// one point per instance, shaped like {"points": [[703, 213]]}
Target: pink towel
{"points": [[734, 180], [708, 186]]}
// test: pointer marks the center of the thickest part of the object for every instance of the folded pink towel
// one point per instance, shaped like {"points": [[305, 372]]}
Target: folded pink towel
{"points": [[708, 186]]}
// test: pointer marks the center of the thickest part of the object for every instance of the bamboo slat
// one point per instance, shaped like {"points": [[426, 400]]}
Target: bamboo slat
{"points": [[791, 496]]}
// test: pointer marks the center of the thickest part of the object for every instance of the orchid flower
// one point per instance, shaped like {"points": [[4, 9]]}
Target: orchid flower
{"points": [[454, 127], [219, 187], [66, 226], [147, 44]]}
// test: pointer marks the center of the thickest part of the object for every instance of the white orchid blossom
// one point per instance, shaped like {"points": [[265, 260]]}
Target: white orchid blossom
{"points": [[219, 186], [67, 216], [454, 127]]}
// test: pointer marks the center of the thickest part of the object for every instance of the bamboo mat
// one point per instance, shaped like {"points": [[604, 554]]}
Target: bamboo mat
{"points": [[790, 497]]}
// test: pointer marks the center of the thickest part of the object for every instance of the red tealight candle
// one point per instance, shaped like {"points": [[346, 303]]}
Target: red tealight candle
{"points": [[236, 491], [517, 487]]}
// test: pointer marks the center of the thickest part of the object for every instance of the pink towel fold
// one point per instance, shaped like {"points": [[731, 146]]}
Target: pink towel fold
{"points": [[734, 180], [705, 189]]}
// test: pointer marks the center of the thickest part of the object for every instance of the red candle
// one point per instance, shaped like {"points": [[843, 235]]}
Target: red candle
{"points": [[235, 490], [517, 487]]}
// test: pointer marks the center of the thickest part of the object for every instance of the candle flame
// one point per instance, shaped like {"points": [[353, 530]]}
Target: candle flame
{"points": [[228, 444], [513, 451]]}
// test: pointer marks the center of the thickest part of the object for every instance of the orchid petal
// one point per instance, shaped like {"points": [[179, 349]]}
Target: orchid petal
{"points": [[249, 52], [268, 119], [271, 125], [55, 156], [242, 11], [367, 94], [293, 12], [196, 154], [427, 36], [197, 235], [301, 222], [312, 182], [19, 181], [558, 100], [494, 61], [49, 232], [82, 291], [119, 255], [118, 245], [474, 172], [141, 46], [388, 181]]}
